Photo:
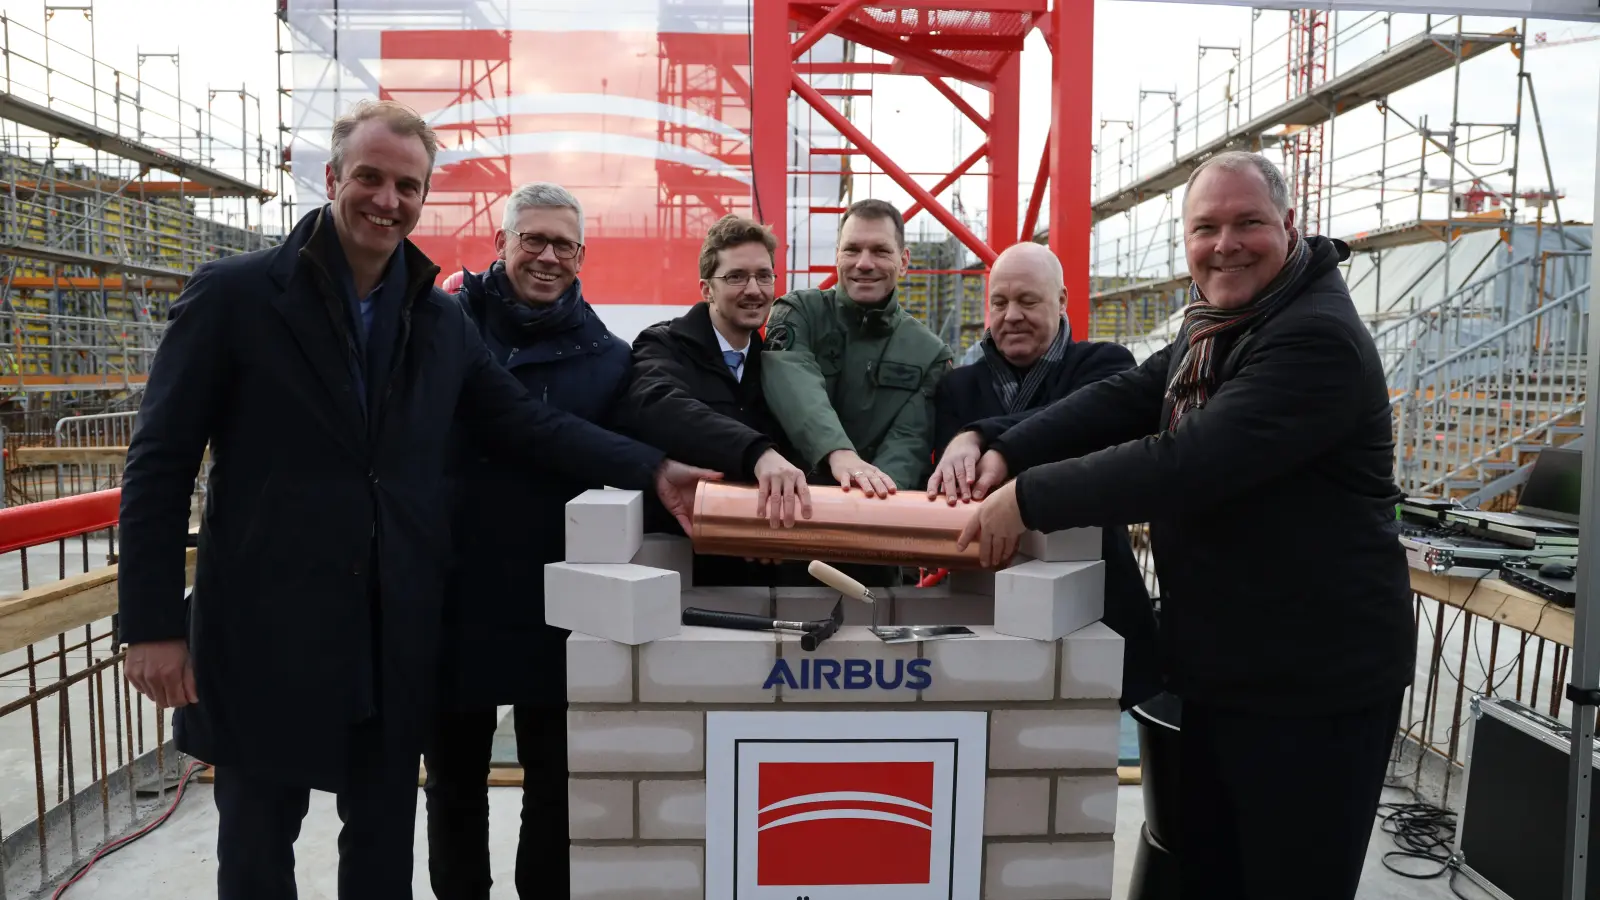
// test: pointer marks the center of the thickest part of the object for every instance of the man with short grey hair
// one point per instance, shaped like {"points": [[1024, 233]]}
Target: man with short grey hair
{"points": [[508, 523], [1258, 447]]}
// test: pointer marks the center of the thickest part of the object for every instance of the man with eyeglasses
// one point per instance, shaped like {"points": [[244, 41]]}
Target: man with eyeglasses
{"points": [[850, 374], [508, 522], [696, 388]]}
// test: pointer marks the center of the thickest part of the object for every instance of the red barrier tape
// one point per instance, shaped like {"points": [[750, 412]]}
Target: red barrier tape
{"points": [[51, 520]]}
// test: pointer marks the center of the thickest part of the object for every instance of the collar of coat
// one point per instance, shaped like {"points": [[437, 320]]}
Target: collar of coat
{"points": [[878, 319], [305, 243], [695, 327]]}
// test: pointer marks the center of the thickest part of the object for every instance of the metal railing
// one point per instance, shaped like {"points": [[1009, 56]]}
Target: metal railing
{"points": [[1460, 419], [99, 754]]}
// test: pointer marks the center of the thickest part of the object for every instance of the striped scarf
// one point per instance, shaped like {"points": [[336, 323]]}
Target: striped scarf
{"points": [[1191, 387], [1016, 393]]}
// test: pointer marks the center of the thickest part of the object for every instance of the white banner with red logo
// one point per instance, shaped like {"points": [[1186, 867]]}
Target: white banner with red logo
{"points": [[847, 805]]}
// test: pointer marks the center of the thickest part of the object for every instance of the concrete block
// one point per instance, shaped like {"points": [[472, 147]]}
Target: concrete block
{"points": [[598, 670], [1077, 870], [635, 741], [822, 676], [1067, 545], [971, 581], [802, 604], [708, 665], [638, 873], [991, 667], [754, 600], [1091, 664], [604, 526], [1086, 804], [1048, 600], [1014, 806], [666, 551], [599, 810], [624, 603], [1053, 738], [672, 810], [924, 606]]}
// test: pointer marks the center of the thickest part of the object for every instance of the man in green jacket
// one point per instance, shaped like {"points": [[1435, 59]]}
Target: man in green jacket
{"points": [[848, 373]]}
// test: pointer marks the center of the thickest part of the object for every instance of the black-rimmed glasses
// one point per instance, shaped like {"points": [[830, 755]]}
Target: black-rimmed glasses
{"points": [[535, 244], [739, 278]]}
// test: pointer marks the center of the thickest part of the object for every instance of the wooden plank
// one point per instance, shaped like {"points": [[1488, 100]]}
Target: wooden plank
{"points": [[44, 612], [70, 456], [1498, 601]]}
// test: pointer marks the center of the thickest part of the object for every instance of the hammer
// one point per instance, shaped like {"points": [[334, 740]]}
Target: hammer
{"points": [[811, 633]]}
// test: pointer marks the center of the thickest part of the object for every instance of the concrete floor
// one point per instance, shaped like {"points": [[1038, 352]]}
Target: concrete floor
{"points": [[177, 862]]}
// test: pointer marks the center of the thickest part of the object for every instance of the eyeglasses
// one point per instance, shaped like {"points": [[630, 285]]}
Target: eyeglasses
{"points": [[739, 278], [535, 244]]}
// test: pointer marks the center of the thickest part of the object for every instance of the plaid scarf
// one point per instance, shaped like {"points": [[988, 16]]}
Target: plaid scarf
{"points": [[1016, 393], [1196, 378]]}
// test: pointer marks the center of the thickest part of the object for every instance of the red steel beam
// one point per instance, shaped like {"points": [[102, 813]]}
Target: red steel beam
{"points": [[1030, 222], [958, 101], [769, 123], [883, 43], [1005, 118], [32, 524], [825, 26], [1072, 136]]}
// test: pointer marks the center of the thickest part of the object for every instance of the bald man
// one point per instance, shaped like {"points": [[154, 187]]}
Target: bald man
{"points": [[1030, 361]]}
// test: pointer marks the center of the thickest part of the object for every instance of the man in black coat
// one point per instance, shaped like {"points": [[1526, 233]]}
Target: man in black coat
{"points": [[696, 392], [327, 375], [1258, 446], [1030, 361], [509, 521]]}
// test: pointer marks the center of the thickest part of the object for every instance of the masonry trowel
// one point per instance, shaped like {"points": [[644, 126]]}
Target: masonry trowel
{"points": [[889, 634]]}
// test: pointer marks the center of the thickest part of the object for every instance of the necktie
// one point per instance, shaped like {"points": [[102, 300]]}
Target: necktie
{"points": [[734, 358]]}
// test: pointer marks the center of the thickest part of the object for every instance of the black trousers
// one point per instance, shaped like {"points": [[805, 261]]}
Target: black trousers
{"points": [[457, 794], [1277, 806], [260, 821]]}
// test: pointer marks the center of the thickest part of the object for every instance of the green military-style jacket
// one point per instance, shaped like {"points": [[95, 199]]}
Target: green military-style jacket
{"points": [[842, 377]]}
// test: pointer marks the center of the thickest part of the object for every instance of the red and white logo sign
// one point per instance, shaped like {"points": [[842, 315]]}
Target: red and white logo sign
{"points": [[877, 818], [844, 805]]}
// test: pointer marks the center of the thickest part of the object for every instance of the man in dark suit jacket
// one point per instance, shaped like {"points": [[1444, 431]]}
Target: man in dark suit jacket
{"points": [[1029, 362], [326, 374], [1271, 399], [696, 389]]}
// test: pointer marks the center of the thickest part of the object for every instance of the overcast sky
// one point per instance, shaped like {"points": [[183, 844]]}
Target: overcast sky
{"points": [[226, 43]]}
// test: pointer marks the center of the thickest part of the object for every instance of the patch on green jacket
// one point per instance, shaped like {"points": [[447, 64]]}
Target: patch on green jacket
{"points": [[899, 375], [779, 336]]}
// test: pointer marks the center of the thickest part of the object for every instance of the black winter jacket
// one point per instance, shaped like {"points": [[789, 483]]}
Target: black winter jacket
{"points": [[1272, 509]]}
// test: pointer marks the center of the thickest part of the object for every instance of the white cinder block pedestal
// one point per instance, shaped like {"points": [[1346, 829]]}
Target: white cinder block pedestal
{"points": [[604, 526], [624, 603], [1046, 601], [637, 733]]}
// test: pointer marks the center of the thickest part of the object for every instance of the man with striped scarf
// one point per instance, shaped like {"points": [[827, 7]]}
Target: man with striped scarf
{"points": [[1258, 447]]}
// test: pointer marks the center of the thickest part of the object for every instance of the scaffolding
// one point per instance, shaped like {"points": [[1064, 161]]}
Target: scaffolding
{"points": [[1285, 95], [113, 189]]}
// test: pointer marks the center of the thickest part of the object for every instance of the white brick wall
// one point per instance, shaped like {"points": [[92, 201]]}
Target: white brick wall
{"points": [[666, 551], [626, 603], [638, 873], [1086, 804], [598, 670], [806, 604], [855, 643], [604, 526], [1053, 738], [708, 665], [1091, 663], [922, 606], [991, 667], [635, 741], [1048, 600], [672, 810], [1071, 545], [599, 809], [1049, 871], [1013, 806]]}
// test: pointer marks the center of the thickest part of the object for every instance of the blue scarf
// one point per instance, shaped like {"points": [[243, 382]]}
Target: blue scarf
{"points": [[518, 324]]}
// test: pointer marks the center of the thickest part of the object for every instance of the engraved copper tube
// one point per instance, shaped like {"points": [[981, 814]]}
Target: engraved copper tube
{"points": [[904, 529]]}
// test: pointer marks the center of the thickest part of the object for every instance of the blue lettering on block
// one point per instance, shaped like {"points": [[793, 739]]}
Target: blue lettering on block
{"points": [[781, 675], [825, 670], [918, 677], [855, 674]]}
